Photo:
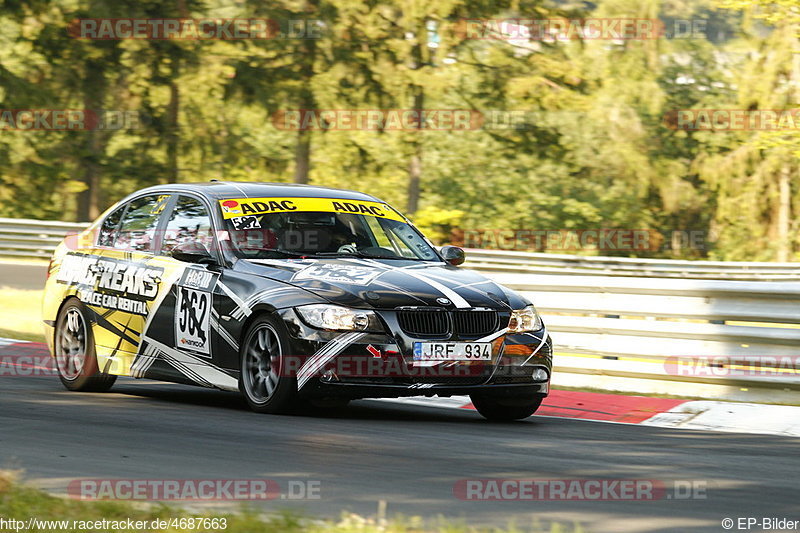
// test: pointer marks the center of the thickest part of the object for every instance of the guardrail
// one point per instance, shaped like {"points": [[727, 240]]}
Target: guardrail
{"points": [[37, 239], [539, 263], [709, 338], [33, 239], [625, 324]]}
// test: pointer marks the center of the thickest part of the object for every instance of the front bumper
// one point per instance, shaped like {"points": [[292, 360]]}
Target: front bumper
{"points": [[381, 365]]}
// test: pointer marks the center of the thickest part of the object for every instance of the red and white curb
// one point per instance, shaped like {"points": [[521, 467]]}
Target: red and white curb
{"points": [[613, 408], [648, 411], [731, 417], [574, 404]]}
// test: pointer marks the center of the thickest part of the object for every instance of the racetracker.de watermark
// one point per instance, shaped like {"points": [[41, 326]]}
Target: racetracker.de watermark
{"points": [[561, 240], [563, 29], [425, 119], [194, 490], [69, 119], [742, 366], [573, 240], [733, 119], [578, 490], [553, 240], [27, 365], [377, 119], [159, 29], [25, 359]]}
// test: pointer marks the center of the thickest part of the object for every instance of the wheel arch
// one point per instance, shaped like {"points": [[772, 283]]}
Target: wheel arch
{"points": [[257, 311]]}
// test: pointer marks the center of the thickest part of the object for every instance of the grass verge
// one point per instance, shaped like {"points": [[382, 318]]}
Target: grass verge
{"points": [[21, 335], [21, 314], [19, 502]]}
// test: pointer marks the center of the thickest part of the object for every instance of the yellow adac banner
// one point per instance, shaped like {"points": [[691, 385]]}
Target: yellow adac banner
{"points": [[241, 207]]}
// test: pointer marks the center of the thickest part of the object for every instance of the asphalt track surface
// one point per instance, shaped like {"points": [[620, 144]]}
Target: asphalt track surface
{"points": [[409, 456], [23, 276]]}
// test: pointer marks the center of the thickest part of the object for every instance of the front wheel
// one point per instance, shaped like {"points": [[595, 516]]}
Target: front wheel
{"points": [[76, 360], [503, 409], [263, 382]]}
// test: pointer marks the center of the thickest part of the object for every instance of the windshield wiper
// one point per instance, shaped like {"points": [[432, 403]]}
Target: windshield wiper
{"points": [[288, 253], [365, 256]]}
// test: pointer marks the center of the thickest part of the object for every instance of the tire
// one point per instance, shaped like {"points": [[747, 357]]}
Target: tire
{"points": [[265, 387], [74, 348], [504, 409]]}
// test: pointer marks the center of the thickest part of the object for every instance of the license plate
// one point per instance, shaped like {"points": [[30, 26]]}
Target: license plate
{"points": [[452, 351]]}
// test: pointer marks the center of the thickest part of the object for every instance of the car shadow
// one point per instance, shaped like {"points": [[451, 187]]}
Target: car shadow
{"points": [[357, 410]]}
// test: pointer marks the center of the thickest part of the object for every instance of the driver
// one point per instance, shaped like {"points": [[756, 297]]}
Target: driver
{"points": [[318, 232]]}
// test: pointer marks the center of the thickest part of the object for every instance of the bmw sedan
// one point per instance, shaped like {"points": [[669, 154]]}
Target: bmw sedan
{"points": [[293, 295]]}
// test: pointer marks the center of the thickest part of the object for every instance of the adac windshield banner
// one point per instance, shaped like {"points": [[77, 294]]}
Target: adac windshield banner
{"points": [[242, 207]]}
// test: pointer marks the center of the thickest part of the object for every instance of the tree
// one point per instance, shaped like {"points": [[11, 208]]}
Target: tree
{"points": [[754, 173]]}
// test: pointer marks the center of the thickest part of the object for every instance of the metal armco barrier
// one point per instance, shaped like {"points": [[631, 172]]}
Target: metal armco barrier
{"points": [[33, 239], [709, 338], [690, 328], [538, 263], [38, 238]]}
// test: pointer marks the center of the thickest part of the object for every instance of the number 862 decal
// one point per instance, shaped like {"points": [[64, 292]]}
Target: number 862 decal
{"points": [[192, 313]]}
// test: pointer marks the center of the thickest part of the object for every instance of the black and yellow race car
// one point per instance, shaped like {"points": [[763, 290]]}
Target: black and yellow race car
{"points": [[290, 294]]}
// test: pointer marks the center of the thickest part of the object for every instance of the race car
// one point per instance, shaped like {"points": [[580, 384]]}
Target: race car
{"points": [[294, 295]]}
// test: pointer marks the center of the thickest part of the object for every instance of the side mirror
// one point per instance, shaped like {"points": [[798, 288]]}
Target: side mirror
{"points": [[453, 255], [193, 252]]}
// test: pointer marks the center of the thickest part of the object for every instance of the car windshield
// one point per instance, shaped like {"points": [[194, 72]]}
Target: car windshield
{"points": [[336, 228]]}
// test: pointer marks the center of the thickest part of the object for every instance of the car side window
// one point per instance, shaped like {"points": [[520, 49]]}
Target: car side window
{"points": [[189, 222], [138, 229], [108, 230]]}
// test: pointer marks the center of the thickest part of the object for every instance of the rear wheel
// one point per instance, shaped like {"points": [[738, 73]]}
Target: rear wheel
{"points": [[75, 351], [265, 385], [500, 408]]}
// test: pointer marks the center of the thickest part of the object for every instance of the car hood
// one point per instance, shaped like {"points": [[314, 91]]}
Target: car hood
{"points": [[387, 284]]}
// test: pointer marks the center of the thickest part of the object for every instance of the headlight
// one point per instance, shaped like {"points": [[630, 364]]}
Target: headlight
{"points": [[334, 317], [526, 319]]}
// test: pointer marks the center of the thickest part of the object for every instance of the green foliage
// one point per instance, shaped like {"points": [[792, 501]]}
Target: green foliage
{"points": [[592, 151], [438, 224]]}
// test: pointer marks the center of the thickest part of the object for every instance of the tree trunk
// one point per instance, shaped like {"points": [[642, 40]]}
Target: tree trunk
{"points": [[419, 57], [94, 90], [302, 154], [173, 137], [415, 164], [88, 203], [414, 177], [302, 157], [784, 214]]}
